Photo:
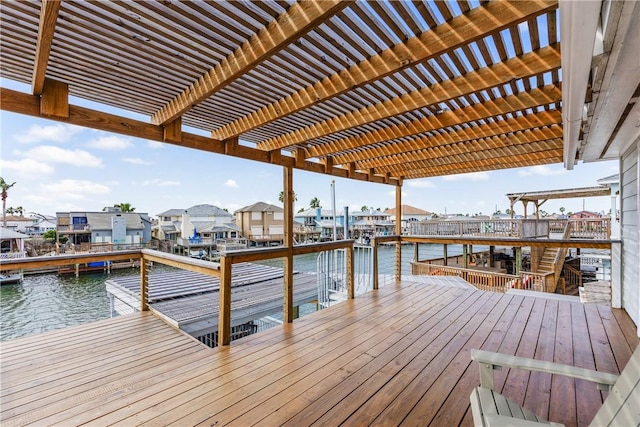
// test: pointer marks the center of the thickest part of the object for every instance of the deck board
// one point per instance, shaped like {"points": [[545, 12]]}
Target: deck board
{"points": [[399, 355]]}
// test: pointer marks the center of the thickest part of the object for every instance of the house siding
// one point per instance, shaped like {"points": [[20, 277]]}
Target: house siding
{"points": [[630, 232]]}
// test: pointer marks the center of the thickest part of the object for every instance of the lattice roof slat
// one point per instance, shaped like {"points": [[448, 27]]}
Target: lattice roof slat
{"points": [[399, 90]]}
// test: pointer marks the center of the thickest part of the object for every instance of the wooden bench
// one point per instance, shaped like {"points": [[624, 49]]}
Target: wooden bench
{"points": [[621, 407]]}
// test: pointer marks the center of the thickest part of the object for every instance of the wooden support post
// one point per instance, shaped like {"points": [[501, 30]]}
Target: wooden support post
{"points": [[54, 101], [287, 303], [296, 311], [445, 255], [351, 288], [398, 233], [144, 284], [465, 256], [376, 282], [416, 252], [77, 270], [518, 260], [172, 131], [492, 250], [470, 253], [224, 311]]}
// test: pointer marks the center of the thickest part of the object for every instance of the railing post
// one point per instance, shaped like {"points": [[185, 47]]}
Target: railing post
{"points": [[518, 260], [144, 284], [351, 292], [224, 311], [376, 281], [398, 232], [445, 256]]}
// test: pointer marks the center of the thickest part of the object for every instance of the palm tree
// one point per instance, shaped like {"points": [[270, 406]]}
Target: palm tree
{"points": [[125, 207], [281, 197], [314, 203], [364, 208], [4, 186]]}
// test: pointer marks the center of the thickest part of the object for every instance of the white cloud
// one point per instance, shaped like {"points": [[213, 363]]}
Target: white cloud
{"points": [[53, 133], [52, 154], [159, 183], [110, 142], [473, 176], [27, 167], [154, 144], [136, 161], [421, 183], [542, 170], [74, 189], [231, 183]]}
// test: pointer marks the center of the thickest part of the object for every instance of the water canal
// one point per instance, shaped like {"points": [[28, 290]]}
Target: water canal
{"points": [[45, 302]]}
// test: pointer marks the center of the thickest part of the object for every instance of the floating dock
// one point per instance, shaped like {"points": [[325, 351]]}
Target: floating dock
{"points": [[190, 302]]}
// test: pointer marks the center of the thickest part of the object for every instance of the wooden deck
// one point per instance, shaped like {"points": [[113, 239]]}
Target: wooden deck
{"points": [[397, 356]]}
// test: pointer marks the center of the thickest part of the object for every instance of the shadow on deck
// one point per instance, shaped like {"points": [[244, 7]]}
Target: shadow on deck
{"points": [[400, 355]]}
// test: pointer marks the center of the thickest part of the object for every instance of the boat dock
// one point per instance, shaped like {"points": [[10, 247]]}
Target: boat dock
{"points": [[190, 301]]}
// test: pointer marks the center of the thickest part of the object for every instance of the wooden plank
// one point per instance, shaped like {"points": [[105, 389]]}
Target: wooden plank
{"points": [[588, 397], [449, 413], [218, 382], [456, 371], [539, 386], [389, 355], [563, 398], [289, 378], [337, 404]]}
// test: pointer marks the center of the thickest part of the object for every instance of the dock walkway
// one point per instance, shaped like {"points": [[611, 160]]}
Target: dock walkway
{"points": [[396, 356]]}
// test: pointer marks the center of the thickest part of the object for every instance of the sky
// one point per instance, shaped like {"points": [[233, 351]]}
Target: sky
{"points": [[59, 167]]}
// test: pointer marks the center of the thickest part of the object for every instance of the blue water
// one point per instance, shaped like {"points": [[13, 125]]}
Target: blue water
{"points": [[46, 302]]}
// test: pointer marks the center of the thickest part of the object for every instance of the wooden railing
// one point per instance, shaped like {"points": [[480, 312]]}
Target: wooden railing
{"points": [[222, 270], [516, 228], [488, 280], [598, 228], [572, 278]]}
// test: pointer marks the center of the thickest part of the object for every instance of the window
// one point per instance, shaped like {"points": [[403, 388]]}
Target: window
{"points": [[256, 216], [278, 216]]}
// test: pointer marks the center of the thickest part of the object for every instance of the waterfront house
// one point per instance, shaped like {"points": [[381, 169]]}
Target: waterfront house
{"points": [[383, 92], [261, 223], [41, 224], [203, 221], [111, 227], [408, 215], [11, 243], [17, 223]]}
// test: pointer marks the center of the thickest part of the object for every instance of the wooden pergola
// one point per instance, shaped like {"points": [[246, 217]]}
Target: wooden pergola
{"points": [[540, 197], [376, 91]]}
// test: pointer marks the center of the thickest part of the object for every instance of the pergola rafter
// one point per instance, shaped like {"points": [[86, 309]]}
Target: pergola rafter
{"points": [[486, 78], [471, 26], [522, 101], [540, 120], [355, 89], [301, 18]]}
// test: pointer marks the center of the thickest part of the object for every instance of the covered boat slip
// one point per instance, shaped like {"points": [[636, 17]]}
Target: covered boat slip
{"points": [[397, 355], [190, 300]]}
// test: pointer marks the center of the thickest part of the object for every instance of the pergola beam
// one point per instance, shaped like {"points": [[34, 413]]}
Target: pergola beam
{"points": [[468, 148], [500, 106], [546, 158], [476, 157], [46, 29], [302, 17], [460, 31], [22, 103], [544, 119], [530, 64]]}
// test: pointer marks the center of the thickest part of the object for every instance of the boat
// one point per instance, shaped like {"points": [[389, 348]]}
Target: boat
{"points": [[8, 279]]}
